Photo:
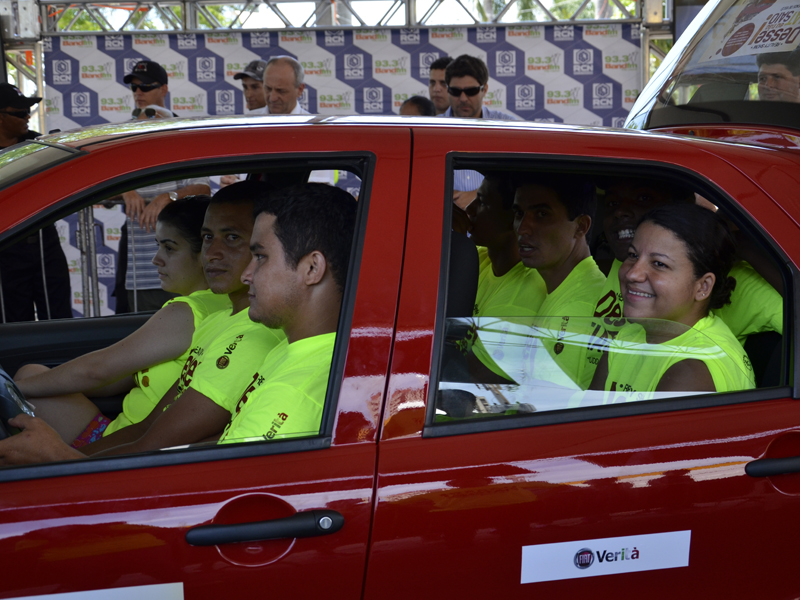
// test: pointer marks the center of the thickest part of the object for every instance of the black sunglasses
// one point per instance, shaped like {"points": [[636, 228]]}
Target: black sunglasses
{"points": [[145, 87], [20, 114], [149, 112], [470, 91]]}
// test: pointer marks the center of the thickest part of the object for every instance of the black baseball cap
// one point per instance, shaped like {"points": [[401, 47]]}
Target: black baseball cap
{"points": [[254, 69], [147, 71], [11, 97]]}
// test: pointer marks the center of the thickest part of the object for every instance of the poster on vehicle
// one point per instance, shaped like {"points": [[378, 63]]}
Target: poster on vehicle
{"points": [[754, 27]]}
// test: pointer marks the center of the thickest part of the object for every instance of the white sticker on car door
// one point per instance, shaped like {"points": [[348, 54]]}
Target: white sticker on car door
{"points": [[165, 591], [605, 556]]}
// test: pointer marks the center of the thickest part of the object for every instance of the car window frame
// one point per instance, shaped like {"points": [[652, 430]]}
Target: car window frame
{"points": [[214, 452], [510, 161]]}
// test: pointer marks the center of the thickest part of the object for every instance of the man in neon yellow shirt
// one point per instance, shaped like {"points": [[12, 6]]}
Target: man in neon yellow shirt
{"points": [[506, 287], [226, 349], [301, 250]]}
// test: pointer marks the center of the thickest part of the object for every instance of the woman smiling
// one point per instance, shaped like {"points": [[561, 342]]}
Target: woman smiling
{"points": [[676, 272]]}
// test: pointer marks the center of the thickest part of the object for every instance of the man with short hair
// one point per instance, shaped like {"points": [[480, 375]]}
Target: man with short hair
{"points": [[149, 84], [467, 79], [418, 106], [253, 86], [301, 250], [283, 86], [779, 76], [28, 291], [437, 86]]}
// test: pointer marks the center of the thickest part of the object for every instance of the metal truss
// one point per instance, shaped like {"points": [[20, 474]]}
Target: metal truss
{"points": [[89, 16]]}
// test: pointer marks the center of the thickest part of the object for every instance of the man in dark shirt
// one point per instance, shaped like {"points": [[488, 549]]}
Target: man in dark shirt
{"points": [[37, 263]]}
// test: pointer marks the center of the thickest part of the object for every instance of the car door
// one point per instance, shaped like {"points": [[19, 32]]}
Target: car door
{"points": [[604, 501], [119, 526]]}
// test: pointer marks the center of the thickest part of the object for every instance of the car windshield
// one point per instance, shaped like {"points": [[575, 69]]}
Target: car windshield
{"points": [[739, 62], [22, 160]]}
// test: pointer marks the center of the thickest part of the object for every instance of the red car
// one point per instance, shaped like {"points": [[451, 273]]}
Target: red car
{"points": [[398, 495]]}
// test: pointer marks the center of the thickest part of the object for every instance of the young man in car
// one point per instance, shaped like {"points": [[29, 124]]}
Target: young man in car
{"points": [[34, 271], [301, 250], [149, 84], [253, 86], [779, 76], [226, 349], [552, 219]]}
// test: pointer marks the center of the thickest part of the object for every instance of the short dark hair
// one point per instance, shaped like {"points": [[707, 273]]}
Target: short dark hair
{"points": [[242, 192], [504, 182], [441, 63], [791, 60], [186, 215], [575, 192], [424, 105], [466, 65], [313, 216], [708, 240]]}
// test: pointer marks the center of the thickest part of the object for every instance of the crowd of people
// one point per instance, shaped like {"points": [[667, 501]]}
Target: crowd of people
{"points": [[248, 286]]}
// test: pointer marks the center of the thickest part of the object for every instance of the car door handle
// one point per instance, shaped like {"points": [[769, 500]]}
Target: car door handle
{"points": [[768, 467], [300, 525]]}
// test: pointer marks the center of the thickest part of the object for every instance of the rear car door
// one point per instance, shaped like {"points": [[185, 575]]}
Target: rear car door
{"points": [[599, 501], [118, 525]]}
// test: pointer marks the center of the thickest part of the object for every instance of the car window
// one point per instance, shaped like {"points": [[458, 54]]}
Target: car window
{"points": [[545, 312], [308, 369]]}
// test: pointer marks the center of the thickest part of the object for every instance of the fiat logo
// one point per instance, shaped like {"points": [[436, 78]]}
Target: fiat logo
{"points": [[584, 558]]}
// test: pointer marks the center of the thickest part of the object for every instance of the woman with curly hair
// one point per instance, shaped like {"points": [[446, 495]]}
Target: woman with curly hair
{"points": [[676, 271]]}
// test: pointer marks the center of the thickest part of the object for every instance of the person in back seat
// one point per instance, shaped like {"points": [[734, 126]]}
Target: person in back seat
{"points": [[755, 305], [676, 270]]}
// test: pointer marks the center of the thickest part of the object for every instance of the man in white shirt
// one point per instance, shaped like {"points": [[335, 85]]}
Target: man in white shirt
{"points": [[283, 86]]}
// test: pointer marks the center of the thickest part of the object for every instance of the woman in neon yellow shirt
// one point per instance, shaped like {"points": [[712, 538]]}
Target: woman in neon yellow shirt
{"points": [[676, 270], [146, 363]]}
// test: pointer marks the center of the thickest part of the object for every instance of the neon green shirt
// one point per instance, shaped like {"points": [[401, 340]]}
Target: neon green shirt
{"points": [[518, 293], [755, 305], [635, 367], [610, 303], [554, 348], [286, 395], [151, 384], [224, 351]]}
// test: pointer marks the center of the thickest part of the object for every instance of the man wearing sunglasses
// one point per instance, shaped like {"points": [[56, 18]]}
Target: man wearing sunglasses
{"points": [[28, 291], [467, 79], [149, 83]]}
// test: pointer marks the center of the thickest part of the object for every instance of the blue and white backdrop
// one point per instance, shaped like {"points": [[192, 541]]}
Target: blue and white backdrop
{"points": [[577, 74]]}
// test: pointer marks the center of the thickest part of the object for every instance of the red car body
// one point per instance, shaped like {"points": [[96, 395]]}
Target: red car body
{"points": [[429, 510]]}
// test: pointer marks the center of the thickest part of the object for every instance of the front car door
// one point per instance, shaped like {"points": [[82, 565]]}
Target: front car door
{"points": [[116, 525]]}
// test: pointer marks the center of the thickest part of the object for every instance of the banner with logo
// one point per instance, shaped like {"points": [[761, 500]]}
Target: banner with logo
{"points": [[577, 74]]}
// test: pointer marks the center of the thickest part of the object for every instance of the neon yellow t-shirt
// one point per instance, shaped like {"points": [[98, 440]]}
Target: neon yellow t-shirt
{"points": [[635, 367], [553, 349], [610, 303], [225, 350], [151, 384], [755, 305], [518, 293], [286, 395]]}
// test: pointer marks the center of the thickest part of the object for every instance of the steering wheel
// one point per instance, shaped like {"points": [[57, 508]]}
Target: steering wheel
{"points": [[12, 403]]}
